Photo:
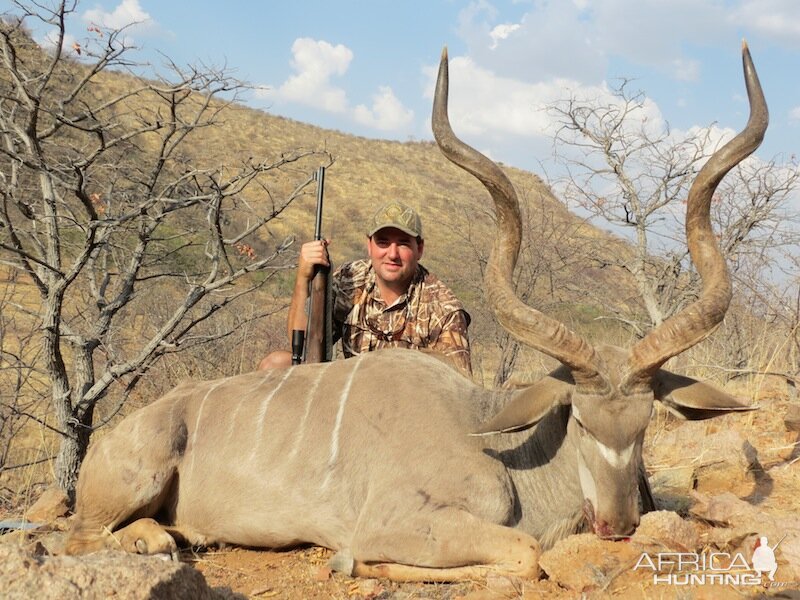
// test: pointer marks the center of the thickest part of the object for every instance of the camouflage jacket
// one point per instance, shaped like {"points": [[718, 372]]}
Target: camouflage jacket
{"points": [[427, 316]]}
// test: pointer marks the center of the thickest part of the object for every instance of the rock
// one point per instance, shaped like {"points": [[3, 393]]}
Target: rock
{"points": [[784, 446], [690, 446], [729, 538], [100, 575], [717, 459], [789, 551], [740, 524], [584, 562], [672, 487], [667, 530], [52, 504], [723, 509], [674, 480]]}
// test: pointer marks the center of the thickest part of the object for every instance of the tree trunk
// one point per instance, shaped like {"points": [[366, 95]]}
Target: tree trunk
{"points": [[74, 443]]}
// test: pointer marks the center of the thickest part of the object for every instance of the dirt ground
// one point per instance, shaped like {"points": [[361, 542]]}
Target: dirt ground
{"points": [[300, 574]]}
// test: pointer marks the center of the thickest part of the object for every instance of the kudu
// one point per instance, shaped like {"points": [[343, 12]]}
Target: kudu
{"points": [[372, 456]]}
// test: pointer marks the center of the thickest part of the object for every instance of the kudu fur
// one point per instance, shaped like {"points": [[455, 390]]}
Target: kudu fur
{"points": [[373, 457]]}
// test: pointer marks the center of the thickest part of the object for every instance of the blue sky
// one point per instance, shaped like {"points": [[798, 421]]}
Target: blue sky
{"points": [[367, 68]]}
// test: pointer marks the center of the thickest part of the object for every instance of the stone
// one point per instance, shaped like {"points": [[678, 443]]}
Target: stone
{"points": [[100, 575], [723, 509], [788, 552], [667, 529], [672, 486], [52, 504], [690, 446], [584, 562]]}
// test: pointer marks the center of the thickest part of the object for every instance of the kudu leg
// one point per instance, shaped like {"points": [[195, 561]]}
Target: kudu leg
{"points": [[146, 536], [448, 545], [119, 484], [100, 511]]}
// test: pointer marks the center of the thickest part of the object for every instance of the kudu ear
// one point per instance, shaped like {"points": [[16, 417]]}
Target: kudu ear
{"points": [[692, 399], [531, 404]]}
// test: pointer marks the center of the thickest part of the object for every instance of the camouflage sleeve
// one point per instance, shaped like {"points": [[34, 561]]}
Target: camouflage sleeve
{"points": [[453, 341]]}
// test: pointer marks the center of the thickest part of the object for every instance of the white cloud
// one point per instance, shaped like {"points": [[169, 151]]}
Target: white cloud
{"points": [[550, 40], [128, 16], [684, 69], [717, 136], [776, 19], [50, 39], [794, 115], [316, 62], [578, 42], [505, 117], [578, 39], [127, 13], [387, 112], [482, 103], [501, 32]]}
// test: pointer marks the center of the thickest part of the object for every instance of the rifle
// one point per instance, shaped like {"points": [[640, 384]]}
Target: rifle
{"points": [[319, 332]]}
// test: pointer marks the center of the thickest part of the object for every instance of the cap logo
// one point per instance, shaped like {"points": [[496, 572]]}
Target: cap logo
{"points": [[397, 215]]}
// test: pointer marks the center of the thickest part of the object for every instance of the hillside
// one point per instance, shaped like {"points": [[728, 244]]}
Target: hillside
{"points": [[456, 209]]}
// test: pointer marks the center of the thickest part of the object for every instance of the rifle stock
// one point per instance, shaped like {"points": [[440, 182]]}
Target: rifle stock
{"points": [[318, 335]]}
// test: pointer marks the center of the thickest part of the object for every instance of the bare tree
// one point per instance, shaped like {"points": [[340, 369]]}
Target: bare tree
{"points": [[107, 205], [632, 172]]}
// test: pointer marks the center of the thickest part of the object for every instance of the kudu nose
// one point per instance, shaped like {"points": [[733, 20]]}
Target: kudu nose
{"points": [[619, 527]]}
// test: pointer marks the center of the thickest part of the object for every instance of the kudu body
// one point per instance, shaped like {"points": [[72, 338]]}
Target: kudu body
{"points": [[372, 456]]}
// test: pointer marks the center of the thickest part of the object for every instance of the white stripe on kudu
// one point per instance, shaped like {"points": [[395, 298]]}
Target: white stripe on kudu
{"points": [[262, 412], [197, 422], [234, 416], [619, 459], [337, 426], [301, 427]]}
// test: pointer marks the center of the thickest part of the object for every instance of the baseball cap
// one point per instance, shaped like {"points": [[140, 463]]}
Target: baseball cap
{"points": [[398, 215]]}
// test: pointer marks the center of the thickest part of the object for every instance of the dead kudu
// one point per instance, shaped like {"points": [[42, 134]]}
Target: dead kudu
{"points": [[372, 456]]}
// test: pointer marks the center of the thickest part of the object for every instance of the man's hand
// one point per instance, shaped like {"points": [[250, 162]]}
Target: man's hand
{"points": [[311, 254]]}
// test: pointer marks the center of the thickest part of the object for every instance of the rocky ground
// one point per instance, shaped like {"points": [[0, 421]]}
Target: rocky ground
{"points": [[724, 484]]}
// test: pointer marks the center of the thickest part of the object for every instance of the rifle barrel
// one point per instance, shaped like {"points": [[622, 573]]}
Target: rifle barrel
{"points": [[320, 177]]}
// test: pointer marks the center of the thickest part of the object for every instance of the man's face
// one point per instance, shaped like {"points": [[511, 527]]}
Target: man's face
{"points": [[394, 255]]}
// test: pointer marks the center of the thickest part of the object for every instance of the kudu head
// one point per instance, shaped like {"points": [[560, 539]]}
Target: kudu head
{"points": [[611, 390]]}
